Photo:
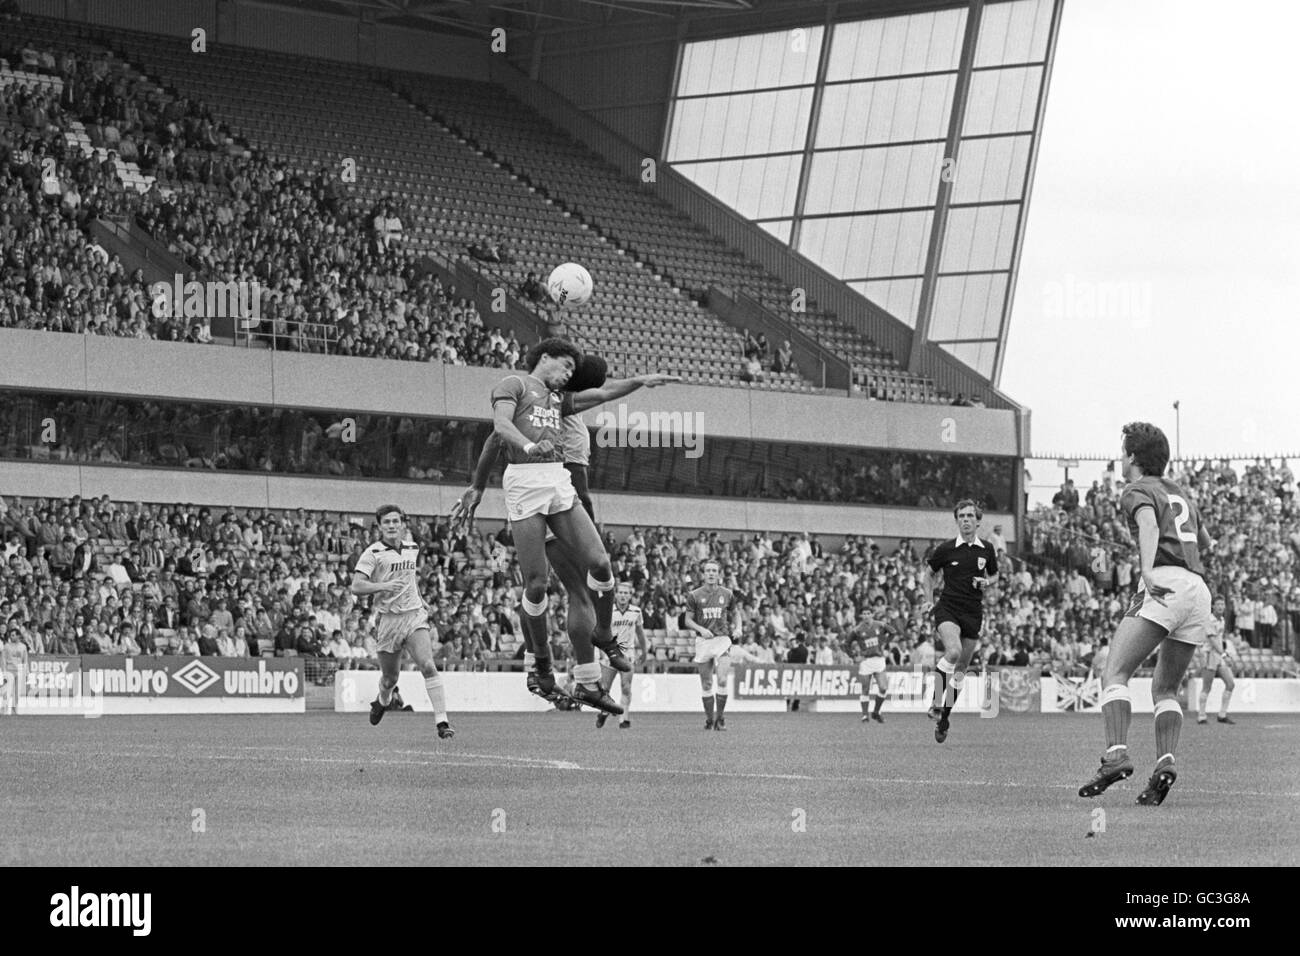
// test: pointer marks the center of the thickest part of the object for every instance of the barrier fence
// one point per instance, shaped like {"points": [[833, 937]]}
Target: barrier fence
{"points": [[93, 686]]}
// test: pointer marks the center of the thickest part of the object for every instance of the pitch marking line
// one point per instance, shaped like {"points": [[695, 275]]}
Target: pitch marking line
{"points": [[459, 759]]}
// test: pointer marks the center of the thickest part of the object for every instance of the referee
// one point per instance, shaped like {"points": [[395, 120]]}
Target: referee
{"points": [[968, 567]]}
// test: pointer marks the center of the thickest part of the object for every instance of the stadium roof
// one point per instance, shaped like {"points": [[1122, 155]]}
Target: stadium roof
{"points": [[470, 17]]}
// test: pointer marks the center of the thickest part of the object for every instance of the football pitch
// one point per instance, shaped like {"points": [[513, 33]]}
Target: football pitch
{"points": [[550, 789]]}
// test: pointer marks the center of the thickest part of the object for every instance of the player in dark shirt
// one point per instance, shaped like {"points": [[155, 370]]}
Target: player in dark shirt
{"points": [[969, 569], [589, 388], [1171, 612], [874, 635], [710, 614]]}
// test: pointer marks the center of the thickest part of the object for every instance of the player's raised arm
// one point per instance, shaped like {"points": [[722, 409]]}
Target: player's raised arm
{"points": [[463, 511], [486, 460], [591, 397]]}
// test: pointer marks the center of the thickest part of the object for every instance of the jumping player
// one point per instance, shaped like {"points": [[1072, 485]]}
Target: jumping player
{"points": [[575, 440], [713, 604], [968, 567], [528, 499], [1171, 611], [387, 570], [527, 411], [875, 680], [629, 632], [1213, 656]]}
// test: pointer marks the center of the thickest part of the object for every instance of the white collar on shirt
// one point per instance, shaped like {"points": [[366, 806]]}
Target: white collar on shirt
{"points": [[977, 543]]}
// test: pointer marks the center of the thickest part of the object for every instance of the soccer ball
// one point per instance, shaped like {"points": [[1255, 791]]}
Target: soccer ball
{"points": [[569, 284]]}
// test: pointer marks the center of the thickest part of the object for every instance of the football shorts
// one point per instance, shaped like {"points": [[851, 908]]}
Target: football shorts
{"points": [[540, 488], [394, 630], [871, 665], [711, 648], [1185, 615], [970, 623]]}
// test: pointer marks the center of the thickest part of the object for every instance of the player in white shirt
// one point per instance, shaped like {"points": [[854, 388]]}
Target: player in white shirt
{"points": [[629, 633], [1212, 658], [388, 570]]}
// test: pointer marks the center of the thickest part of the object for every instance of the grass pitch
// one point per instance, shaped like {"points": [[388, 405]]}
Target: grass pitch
{"points": [[549, 789]]}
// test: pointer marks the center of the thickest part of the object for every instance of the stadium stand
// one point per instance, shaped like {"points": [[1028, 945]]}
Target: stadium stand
{"points": [[106, 577], [234, 162], [573, 176]]}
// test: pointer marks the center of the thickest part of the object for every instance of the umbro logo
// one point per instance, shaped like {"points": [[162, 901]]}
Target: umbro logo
{"points": [[954, 564]]}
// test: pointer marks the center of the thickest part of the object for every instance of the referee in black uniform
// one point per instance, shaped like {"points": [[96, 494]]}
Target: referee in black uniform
{"points": [[968, 568]]}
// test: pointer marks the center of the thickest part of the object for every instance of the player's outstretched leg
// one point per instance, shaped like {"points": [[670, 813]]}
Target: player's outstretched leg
{"points": [[606, 682], [1135, 639], [1170, 666], [1116, 765], [720, 699], [864, 701], [389, 667], [706, 690], [626, 680], [1169, 721], [1229, 682], [944, 672], [882, 691], [421, 648]]}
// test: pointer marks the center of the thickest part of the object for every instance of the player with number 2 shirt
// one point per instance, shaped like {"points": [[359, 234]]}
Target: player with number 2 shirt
{"points": [[1171, 611]]}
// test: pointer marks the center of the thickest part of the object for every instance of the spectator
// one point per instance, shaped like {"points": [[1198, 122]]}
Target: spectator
{"points": [[207, 642], [532, 290], [783, 361], [799, 653], [825, 655]]}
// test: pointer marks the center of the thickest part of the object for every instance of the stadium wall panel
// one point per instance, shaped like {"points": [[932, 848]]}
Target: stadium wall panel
{"points": [[52, 361], [360, 496]]}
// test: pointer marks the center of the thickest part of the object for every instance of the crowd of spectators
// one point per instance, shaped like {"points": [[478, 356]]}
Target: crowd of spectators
{"points": [[103, 577], [333, 276]]}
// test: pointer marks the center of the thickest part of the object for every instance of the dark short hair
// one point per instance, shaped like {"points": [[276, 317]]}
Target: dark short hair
{"points": [[968, 503], [554, 346], [1148, 446], [385, 510], [590, 372]]}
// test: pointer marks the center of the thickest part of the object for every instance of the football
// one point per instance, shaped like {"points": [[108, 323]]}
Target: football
{"points": [[569, 284]]}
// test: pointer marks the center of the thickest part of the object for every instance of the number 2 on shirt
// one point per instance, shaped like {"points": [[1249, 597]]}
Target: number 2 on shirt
{"points": [[1182, 514]]}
